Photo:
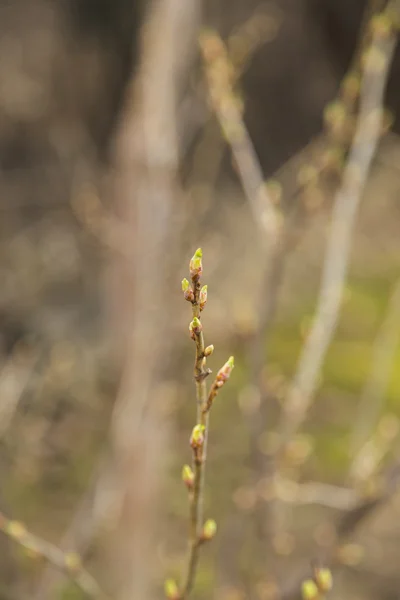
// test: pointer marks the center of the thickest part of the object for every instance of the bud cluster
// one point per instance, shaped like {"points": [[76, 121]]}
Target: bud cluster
{"points": [[192, 478]]}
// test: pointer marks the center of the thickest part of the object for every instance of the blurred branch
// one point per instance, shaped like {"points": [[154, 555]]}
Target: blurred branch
{"points": [[376, 68], [67, 562], [242, 45], [325, 155], [194, 480], [81, 532], [373, 394], [346, 526], [324, 494], [219, 73], [146, 187], [14, 377]]}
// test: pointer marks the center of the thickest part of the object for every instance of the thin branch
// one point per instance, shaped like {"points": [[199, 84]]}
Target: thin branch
{"points": [[346, 526], [219, 74], [315, 492], [373, 394], [197, 296], [199, 458], [146, 190], [14, 378], [67, 562], [376, 70]]}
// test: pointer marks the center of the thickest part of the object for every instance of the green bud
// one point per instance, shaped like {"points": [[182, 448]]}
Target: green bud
{"points": [[382, 26], [187, 476], [209, 350], [209, 530], [197, 437], [171, 590], [323, 579], [16, 530], [203, 297], [73, 561], [196, 264], [195, 327], [225, 372], [187, 290], [309, 590]]}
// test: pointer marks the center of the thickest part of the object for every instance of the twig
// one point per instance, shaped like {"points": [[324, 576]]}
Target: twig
{"points": [[67, 562], [14, 378], [373, 393], [226, 105], [194, 479], [146, 191], [346, 527], [323, 494], [376, 69], [199, 458], [329, 148]]}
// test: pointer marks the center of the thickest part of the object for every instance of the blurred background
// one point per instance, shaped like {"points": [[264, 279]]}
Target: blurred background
{"points": [[113, 170]]}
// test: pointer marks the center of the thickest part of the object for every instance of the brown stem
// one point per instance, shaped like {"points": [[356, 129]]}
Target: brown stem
{"points": [[67, 562], [199, 461]]}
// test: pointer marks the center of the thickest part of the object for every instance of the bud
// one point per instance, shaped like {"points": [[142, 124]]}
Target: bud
{"points": [[16, 530], [373, 60], [195, 328], [187, 476], [209, 350], [351, 86], [203, 297], [209, 530], [171, 590], [334, 114], [381, 26], [72, 561], [323, 579], [197, 437], [187, 290], [226, 370], [309, 590], [196, 264]]}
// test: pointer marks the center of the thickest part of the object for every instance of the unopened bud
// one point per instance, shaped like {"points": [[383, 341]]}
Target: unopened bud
{"points": [[197, 437], [187, 290], [187, 476], [226, 370], [209, 530], [203, 297], [16, 530], [209, 350], [381, 26], [72, 561], [334, 114], [351, 86], [195, 327], [171, 590], [196, 264], [309, 590], [374, 60], [323, 579]]}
